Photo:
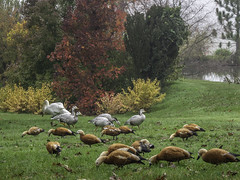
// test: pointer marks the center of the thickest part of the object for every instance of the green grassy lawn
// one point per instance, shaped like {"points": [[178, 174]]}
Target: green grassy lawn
{"points": [[214, 106]]}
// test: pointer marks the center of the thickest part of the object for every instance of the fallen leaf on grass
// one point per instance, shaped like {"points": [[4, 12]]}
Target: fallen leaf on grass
{"points": [[163, 177], [203, 145], [231, 173], [172, 166], [114, 177], [137, 169], [65, 158], [77, 154], [230, 134], [64, 166]]}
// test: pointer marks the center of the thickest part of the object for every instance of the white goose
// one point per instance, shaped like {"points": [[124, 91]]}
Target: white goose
{"points": [[136, 120], [53, 108], [69, 119], [109, 117], [100, 122]]}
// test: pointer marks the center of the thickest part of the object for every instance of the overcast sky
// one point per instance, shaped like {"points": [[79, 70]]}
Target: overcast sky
{"points": [[211, 7]]}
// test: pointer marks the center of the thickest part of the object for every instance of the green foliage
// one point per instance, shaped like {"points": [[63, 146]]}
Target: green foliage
{"points": [[188, 101], [17, 99], [43, 32], [153, 41], [223, 52], [9, 15], [120, 59], [144, 94], [111, 103]]}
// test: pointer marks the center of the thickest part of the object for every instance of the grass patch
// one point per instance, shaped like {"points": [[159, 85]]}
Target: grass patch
{"points": [[214, 106]]}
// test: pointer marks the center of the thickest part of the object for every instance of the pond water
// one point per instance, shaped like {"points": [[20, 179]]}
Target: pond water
{"points": [[222, 74]]}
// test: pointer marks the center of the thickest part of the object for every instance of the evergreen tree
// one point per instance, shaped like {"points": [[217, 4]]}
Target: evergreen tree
{"points": [[153, 41], [229, 18]]}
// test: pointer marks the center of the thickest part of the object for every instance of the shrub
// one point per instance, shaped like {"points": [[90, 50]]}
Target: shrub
{"points": [[143, 94], [17, 99], [111, 103], [222, 52]]}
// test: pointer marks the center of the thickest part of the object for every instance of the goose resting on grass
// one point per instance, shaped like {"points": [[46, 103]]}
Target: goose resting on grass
{"points": [[136, 120], [53, 108]]}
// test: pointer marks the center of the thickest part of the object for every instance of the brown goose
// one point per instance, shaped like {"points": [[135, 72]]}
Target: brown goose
{"points": [[89, 139], [183, 133], [118, 158], [111, 131], [116, 146], [170, 154], [143, 145], [193, 127], [217, 156], [126, 130], [60, 131], [33, 131], [53, 148]]}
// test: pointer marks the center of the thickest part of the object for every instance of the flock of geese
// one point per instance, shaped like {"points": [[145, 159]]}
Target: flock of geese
{"points": [[120, 154]]}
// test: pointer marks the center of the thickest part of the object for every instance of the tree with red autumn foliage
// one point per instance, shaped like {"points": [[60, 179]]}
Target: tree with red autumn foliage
{"points": [[81, 60]]}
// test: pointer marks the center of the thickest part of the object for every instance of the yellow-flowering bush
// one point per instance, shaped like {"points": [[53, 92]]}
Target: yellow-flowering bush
{"points": [[17, 99], [111, 103], [143, 94]]}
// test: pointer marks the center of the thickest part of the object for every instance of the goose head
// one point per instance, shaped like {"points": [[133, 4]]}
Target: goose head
{"points": [[45, 103], [141, 111], [201, 152], [116, 120], [50, 131], [81, 132], [78, 113], [100, 160]]}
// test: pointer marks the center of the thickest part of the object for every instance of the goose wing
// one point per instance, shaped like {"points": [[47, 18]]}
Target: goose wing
{"points": [[64, 117]]}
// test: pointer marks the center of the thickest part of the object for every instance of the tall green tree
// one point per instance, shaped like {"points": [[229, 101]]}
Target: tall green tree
{"points": [[229, 18], [9, 15], [43, 21], [153, 40]]}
